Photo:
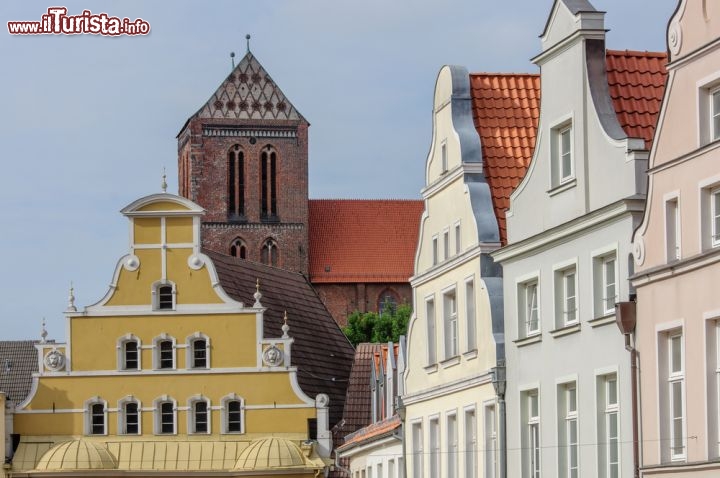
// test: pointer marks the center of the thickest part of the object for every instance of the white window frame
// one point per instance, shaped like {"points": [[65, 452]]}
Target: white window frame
{"points": [[122, 415], [451, 335], [572, 469], [122, 353], [446, 244], [192, 415], [714, 125], [470, 314], [714, 216], [431, 329], [418, 449], [561, 153], [534, 462], [157, 412], [471, 444], [673, 226], [491, 440], [452, 444], [564, 316], [443, 157], [89, 415], [225, 407], [611, 412], [157, 352], [155, 293], [676, 380], [603, 303], [435, 443], [458, 239], [527, 305], [190, 350], [435, 250]]}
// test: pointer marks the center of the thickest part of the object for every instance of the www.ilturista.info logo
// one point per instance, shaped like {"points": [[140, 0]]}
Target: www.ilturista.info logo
{"points": [[58, 22]]}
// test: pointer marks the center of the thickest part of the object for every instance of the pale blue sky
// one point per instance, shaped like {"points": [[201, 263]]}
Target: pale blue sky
{"points": [[88, 122]]}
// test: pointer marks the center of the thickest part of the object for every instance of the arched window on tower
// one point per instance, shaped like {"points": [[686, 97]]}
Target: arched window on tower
{"points": [[236, 183], [387, 301], [238, 248], [269, 253], [268, 187]]}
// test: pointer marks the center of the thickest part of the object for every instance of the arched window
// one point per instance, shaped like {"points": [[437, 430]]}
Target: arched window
{"points": [[129, 352], [387, 301], [238, 248], [198, 347], [268, 187], [95, 416], [269, 253], [199, 415], [129, 416], [165, 415], [163, 295], [236, 182], [164, 352], [233, 408]]}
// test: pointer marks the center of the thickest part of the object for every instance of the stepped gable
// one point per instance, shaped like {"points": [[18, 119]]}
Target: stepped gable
{"points": [[506, 108], [637, 83], [18, 361], [321, 351], [249, 93], [353, 240]]}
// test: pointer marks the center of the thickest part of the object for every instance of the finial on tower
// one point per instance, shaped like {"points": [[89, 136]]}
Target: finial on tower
{"points": [[285, 327], [71, 300], [43, 332], [257, 294], [163, 185], [247, 40], [232, 59]]}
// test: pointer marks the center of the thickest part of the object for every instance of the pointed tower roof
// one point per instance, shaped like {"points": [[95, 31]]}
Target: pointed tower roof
{"points": [[249, 93]]}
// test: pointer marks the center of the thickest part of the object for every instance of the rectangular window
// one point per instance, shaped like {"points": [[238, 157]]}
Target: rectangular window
{"points": [[672, 229], [418, 462], [380, 471], [446, 245], [199, 348], [166, 354], [458, 239], [566, 296], [605, 291], [131, 355], [97, 419], [435, 250], [471, 458], [676, 379], [532, 434], [167, 417], [450, 324], [715, 215], [571, 431], [132, 422], [470, 315], [452, 446], [444, 157], [528, 308], [434, 447], [490, 442], [369, 472], [391, 469], [200, 412], [565, 150], [611, 450], [431, 334], [234, 416], [715, 113]]}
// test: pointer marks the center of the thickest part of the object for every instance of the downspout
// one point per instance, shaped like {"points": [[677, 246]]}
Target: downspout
{"points": [[499, 383], [626, 318]]}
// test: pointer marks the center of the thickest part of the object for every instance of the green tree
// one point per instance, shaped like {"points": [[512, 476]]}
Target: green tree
{"points": [[378, 328]]}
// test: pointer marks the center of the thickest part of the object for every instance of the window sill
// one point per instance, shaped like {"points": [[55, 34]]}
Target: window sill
{"points": [[431, 368], [528, 340], [450, 362], [557, 189], [567, 330], [471, 354], [603, 320]]}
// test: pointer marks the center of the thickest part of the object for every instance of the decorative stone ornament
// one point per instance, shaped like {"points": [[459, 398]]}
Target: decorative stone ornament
{"points": [[674, 37], [322, 400], [195, 262], [131, 263], [54, 360], [273, 356], [639, 251], [257, 295]]}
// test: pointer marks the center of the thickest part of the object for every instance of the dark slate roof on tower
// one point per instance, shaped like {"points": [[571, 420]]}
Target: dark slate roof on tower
{"points": [[18, 361], [321, 351], [249, 92]]}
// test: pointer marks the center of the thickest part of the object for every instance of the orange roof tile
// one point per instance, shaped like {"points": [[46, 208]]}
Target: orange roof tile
{"points": [[637, 83], [506, 108], [376, 430], [363, 240]]}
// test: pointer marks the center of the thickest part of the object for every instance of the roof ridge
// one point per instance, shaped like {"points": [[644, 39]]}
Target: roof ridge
{"points": [[365, 200], [651, 54], [487, 73]]}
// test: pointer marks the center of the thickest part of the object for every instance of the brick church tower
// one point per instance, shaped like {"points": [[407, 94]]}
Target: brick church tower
{"points": [[244, 158]]}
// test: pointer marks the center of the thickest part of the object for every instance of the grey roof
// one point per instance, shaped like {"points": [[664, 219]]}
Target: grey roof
{"points": [[18, 361]]}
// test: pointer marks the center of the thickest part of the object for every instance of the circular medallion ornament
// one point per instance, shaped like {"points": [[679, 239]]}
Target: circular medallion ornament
{"points": [[322, 400], [272, 356], [54, 360], [674, 38], [195, 262], [131, 263]]}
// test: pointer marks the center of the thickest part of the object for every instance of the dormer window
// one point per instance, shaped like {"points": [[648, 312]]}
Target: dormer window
{"points": [[163, 295]]}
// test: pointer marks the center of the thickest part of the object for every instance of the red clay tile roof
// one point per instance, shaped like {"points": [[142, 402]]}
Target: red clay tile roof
{"points": [[506, 108], [363, 240], [370, 432], [637, 83], [356, 413]]}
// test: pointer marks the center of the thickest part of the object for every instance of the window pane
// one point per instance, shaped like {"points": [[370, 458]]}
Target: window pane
{"points": [[166, 354], [201, 418], [572, 399], [200, 354], [716, 114], [131, 355], [676, 351], [716, 214], [131, 418], [165, 299], [533, 405], [234, 416], [612, 391], [98, 419], [167, 418], [677, 418]]}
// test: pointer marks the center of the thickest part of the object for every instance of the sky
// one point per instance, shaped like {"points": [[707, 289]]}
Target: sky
{"points": [[88, 122]]}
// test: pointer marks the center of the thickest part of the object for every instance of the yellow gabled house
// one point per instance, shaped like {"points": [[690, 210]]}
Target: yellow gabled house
{"points": [[168, 374]]}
